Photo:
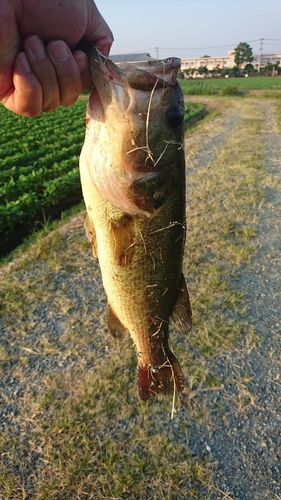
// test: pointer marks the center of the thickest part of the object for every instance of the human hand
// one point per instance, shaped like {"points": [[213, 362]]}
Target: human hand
{"points": [[39, 66]]}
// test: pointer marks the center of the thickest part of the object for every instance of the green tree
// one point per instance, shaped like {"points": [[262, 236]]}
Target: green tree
{"points": [[269, 69], [249, 68], [202, 70], [243, 54], [277, 67]]}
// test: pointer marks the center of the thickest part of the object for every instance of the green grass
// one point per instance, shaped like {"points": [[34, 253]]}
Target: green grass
{"points": [[278, 116], [215, 86], [86, 433]]}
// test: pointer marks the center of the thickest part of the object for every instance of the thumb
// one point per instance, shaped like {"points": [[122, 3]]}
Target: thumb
{"points": [[98, 31]]}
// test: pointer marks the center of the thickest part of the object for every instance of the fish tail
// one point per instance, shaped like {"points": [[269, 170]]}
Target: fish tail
{"points": [[164, 379]]}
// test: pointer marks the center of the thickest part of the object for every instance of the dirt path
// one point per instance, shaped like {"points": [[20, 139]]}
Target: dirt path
{"points": [[55, 349], [245, 445]]}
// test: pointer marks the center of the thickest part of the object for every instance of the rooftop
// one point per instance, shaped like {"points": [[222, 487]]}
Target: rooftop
{"points": [[130, 57]]}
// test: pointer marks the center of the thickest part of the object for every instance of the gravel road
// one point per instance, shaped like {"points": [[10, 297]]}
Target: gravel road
{"points": [[244, 446]]}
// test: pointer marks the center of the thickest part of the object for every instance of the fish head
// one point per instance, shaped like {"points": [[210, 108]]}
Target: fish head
{"points": [[134, 138]]}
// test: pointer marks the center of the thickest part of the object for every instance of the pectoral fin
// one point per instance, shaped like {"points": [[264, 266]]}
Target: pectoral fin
{"points": [[91, 234], [122, 240], [182, 314]]}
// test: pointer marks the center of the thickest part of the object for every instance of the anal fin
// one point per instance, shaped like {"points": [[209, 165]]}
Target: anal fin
{"points": [[182, 314]]}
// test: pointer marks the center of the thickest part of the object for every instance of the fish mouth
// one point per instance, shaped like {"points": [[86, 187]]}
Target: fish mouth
{"points": [[144, 76]]}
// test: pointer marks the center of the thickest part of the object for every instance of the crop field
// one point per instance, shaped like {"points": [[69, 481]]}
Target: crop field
{"points": [[39, 164], [212, 86]]}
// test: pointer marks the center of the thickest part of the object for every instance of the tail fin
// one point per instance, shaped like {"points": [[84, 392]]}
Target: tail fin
{"points": [[164, 379]]}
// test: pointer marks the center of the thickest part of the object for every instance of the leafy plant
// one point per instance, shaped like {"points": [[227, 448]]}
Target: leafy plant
{"points": [[38, 163]]}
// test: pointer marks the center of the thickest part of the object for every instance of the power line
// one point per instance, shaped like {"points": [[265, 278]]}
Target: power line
{"points": [[233, 45], [205, 48]]}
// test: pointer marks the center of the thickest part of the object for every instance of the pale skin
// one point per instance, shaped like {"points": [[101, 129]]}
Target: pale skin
{"points": [[39, 66]]}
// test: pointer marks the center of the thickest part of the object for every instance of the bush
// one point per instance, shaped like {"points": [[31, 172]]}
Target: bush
{"points": [[230, 90]]}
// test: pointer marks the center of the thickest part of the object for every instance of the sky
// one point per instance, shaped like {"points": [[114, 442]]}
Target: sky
{"points": [[192, 28]]}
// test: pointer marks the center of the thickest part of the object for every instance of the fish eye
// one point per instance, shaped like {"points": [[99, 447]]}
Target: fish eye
{"points": [[175, 116]]}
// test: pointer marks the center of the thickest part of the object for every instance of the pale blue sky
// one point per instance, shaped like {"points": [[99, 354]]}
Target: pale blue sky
{"points": [[197, 26]]}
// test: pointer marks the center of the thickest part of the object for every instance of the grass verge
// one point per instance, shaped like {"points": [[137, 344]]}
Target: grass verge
{"points": [[79, 430]]}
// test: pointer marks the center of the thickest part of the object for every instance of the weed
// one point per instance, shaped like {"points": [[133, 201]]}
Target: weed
{"points": [[230, 90]]}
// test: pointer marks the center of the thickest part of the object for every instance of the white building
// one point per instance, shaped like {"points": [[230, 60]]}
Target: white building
{"points": [[261, 60], [211, 63], [227, 62]]}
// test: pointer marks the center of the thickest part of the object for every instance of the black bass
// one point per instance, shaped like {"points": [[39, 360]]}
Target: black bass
{"points": [[132, 169]]}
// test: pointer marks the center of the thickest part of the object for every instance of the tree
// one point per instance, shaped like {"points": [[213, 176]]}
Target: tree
{"points": [[277, 67], [243, 54], [249, 68], [202, 70], [269, 69]]}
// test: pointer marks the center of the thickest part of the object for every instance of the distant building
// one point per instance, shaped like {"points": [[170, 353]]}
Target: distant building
{"points": [[211, 63], [227, 62], [261, 60], [130, 58]]}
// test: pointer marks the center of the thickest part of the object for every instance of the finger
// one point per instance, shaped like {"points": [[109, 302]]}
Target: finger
{"points": [[83, 64], [67, 70], [44, 71], [25, 97]]}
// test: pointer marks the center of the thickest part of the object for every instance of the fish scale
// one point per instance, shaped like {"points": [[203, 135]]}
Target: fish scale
{"points": [[135, 199]]}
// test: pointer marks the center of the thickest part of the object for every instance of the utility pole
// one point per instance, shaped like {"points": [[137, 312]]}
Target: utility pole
{"points": [[157, 53], [260, 55]]}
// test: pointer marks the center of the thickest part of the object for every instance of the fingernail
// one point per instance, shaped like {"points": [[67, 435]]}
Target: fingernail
{"points": [[37, 47], [23, 62], [58, 50], [104, 45]]}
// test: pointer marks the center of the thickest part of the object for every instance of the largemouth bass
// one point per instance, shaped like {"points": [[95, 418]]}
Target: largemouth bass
{"points": [[132, 169]]}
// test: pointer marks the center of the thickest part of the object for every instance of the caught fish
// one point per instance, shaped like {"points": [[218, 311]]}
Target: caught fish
{"points": [[132, 169]]}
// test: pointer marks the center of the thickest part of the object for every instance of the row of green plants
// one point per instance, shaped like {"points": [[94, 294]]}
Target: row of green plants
{"points": [[210, 86], [39, 160], [38, 163], [193, 111]]}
